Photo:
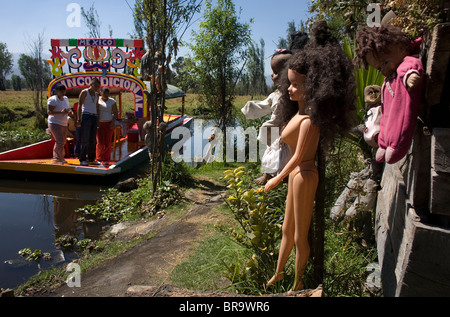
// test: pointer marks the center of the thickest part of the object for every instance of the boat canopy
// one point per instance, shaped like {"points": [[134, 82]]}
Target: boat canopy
{"points": [[172, 92]]}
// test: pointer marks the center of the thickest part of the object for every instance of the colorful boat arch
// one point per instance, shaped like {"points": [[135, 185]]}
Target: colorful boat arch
{"points": [[112, 80], [75, 62]]}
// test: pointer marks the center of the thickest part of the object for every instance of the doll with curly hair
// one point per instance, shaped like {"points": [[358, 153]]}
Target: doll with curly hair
{"points": [[318, 101], [389, 50]]}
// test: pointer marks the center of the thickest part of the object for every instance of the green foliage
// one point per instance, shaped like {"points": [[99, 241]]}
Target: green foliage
{"points": [[11, 139], [218, 49], [92, 21], [6, 63], [16, 82], [346, 258], [415, 17], [116, 206], [6, 114], [255, 69], [364, 78], [166, 195], [177, 173], [36, 74], [259, 217], [35, 256], [346, 263]]}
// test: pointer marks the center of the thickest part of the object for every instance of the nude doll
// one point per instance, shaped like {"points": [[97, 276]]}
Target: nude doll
{"points": [[317, 102], [302, 137]]}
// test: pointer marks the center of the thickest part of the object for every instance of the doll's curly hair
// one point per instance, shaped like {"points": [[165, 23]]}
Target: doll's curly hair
{"points": [[379, 39], [330, 87]]}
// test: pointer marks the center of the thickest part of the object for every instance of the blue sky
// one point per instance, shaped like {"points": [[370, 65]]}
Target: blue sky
{"points": [[21, 22]]}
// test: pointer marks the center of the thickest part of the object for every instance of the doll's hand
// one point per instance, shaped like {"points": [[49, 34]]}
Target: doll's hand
{"points": [[271, 184], [412, 81]]}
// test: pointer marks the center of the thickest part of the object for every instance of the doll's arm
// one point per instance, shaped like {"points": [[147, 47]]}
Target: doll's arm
{"points": [[307, 133], [411, 72], [412, 80], [257, 109]]}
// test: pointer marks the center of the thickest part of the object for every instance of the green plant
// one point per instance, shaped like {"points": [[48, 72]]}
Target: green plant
{"points": [[66, 242], [35, 256], [346, 263], [364, 78], [416, 17], [176, 173], [166, 195], [10, 139], [259, 231]]}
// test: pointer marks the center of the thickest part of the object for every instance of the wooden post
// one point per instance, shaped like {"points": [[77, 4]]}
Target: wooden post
{"points": [[182, 105], [120, 105]]}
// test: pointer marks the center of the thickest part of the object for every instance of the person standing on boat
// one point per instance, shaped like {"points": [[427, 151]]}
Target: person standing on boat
{"points": [[88, 110], [58, 109], [108, 116]]}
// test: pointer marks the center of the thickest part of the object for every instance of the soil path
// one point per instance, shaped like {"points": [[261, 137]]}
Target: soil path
{"points": [[152, 261]]}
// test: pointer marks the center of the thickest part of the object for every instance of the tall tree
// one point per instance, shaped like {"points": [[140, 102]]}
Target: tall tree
{"points": [[255, 68], [92, 21], [164, 23], [16, 82], [6, 64], [219, 49], [285, 42], [37, 76]]}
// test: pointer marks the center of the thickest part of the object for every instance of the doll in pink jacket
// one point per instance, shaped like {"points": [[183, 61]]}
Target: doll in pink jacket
{"points": [[389, 50]]}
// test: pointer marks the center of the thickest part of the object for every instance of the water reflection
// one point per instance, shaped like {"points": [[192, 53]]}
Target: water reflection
{"points": [[33, 215]]}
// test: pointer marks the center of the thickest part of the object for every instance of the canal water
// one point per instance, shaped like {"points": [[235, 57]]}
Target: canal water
{"points": [[33, 214]]}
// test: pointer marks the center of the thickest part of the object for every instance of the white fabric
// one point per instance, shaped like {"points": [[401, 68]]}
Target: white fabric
{"points": [[90, 103], [257, 109], [275, 157], [105, 109], [59, 105]]}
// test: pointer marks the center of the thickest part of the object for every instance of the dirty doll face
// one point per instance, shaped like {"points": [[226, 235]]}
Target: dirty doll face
{"points": [[297, 87], [277, 64], [387, 62], [372, 94]]}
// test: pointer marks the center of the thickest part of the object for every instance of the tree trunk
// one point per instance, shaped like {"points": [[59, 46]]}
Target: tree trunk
{"points": [[319, 219]]}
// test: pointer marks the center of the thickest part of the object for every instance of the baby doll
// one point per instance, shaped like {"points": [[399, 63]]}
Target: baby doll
{"points": [[388, 49], [271, 161], [372, 98]]}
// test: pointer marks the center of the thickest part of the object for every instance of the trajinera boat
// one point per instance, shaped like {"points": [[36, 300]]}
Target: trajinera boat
{"points": [[117, 64]]}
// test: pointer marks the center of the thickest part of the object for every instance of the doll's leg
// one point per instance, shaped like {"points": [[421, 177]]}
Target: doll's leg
{"points": [[287, 240], [305, 185]]}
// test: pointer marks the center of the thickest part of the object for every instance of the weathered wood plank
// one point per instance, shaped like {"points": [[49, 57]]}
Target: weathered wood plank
{"points": [[437, 63], [440, 172]]}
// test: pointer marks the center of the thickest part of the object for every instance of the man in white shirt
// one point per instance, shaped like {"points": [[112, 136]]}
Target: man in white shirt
{"points": [[88, 110]]}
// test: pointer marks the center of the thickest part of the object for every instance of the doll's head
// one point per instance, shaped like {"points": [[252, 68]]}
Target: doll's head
{"points": [[278, 63], [329, 88], [299, 40], [372, 96], [383, 48]]}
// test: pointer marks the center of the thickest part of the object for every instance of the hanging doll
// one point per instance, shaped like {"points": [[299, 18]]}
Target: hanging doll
{"points": [[389, 50], [372, 98], [276, 154]]}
